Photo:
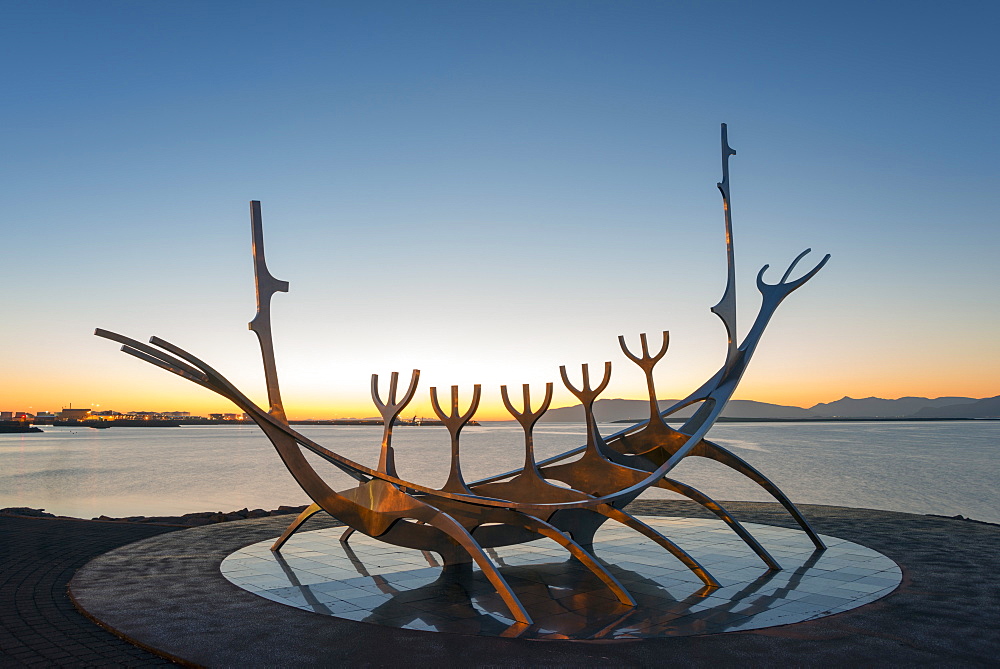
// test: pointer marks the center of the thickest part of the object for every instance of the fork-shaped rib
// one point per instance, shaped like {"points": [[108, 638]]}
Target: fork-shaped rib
{"points": [[771, 296], [527, 418], [647, 362], [587, 396], [455, 423], [597, 470], [389, 411], [785, 287]]}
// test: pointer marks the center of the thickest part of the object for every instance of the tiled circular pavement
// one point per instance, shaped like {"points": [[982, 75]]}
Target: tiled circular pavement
{"points": [[368, 581], [169, 593]]}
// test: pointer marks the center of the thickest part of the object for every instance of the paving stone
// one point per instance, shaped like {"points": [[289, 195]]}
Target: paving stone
{"points": [[40, 626]]}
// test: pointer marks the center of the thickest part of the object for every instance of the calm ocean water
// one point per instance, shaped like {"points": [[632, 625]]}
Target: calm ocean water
{"points": [[945, 468]]}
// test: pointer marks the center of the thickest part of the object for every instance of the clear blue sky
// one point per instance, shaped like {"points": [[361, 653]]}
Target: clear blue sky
{"points": [[487, 190]]}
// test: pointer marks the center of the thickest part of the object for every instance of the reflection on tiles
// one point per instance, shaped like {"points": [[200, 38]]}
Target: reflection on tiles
{"points": [[370, 581]]}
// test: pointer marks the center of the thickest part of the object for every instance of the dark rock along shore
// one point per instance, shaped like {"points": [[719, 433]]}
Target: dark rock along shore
{"points": [[186, 520], [210, 517]]}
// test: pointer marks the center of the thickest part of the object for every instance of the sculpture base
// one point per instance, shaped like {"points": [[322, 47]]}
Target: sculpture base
{"points": [[366, 580], [168, 595]]}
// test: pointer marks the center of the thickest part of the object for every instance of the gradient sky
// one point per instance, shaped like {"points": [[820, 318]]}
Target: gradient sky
{"points": [[487, 190]]}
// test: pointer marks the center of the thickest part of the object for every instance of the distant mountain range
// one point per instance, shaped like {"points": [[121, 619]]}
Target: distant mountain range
{"points": [[870, 407], [984, 408]]}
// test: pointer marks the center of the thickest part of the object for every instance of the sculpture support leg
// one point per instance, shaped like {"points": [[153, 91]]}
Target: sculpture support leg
{"points": [[647, 531], [720, 511], [547, 530], [454, 529], [707, 449], [308, 513]]}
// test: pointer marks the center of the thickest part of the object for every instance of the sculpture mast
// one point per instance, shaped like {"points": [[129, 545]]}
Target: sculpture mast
{"points": [[726, 308], [266, 286]]}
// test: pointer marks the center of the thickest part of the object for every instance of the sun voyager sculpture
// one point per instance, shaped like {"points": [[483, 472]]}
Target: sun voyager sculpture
{"points": [[565, 498]]}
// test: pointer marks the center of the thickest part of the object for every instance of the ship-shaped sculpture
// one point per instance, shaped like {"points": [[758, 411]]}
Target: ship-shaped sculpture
{"points": [[561, 498]]}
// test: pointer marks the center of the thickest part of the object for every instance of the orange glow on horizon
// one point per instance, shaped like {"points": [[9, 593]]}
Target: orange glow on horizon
{"points": [[489, 410], [796, 379]]}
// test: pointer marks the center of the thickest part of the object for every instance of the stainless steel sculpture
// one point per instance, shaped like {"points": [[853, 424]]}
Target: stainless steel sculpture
{"points": [[463, 520]]}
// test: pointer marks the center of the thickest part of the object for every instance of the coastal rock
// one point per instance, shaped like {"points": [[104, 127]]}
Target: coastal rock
{"points": [[282, 510], [25, 511], [962, 518], [195, 519]]}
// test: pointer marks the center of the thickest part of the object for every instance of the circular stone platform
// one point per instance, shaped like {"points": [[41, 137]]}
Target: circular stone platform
{"points": [[167, 594], [369, 581]]}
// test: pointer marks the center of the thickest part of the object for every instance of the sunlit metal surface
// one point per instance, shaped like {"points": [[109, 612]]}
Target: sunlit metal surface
{"points": [[565, 501], [455, 422]]}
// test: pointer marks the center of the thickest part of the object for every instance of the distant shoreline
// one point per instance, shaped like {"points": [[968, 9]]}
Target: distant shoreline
{"points": [[726, 419], [430, 423], [199, 519], [195, 519], [106, 424]]}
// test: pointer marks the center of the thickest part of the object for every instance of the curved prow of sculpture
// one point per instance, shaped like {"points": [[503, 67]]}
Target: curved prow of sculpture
{"points": [[773, 294], [190, 367], [723, 384]]}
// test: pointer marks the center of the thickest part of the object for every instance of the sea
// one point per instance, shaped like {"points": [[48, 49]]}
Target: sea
{"points": [[947, 468]]}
